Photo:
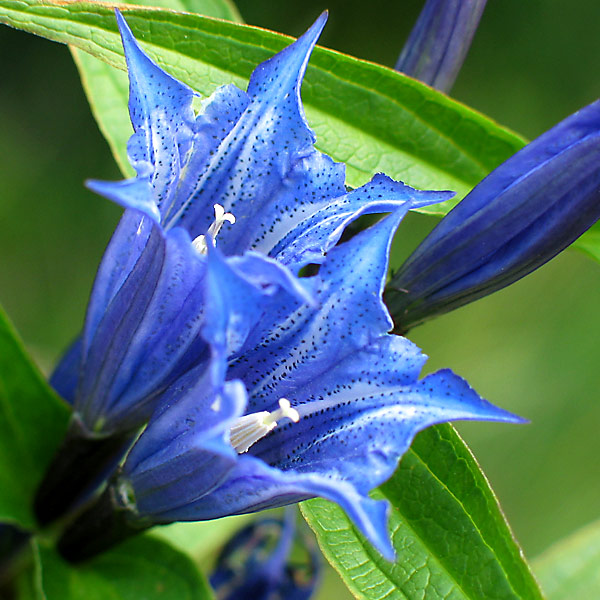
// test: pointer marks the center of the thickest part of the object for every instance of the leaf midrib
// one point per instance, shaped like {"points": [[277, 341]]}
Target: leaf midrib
{"points": [[499, 559]]}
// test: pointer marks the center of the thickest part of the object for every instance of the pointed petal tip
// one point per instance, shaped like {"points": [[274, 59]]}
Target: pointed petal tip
{"points": [[129, 193], [387, 550], [487, 411], [130, 44], [312, 34], [427, 198], [124, 28], [323, 17], [499, 415], [463, 403]]}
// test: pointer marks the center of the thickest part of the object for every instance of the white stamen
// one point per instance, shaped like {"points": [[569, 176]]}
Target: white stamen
{"points": [[220, 218], [251, 428]]}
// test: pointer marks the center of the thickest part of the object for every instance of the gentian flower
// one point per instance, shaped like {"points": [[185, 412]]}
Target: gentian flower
{"points": [[439, 42], [272, 388], [247, 158], [520, 216], [257, 562], [244, 170]]}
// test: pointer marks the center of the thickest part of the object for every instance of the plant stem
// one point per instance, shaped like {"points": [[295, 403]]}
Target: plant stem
{"points": [[81, 464], [101, 526]]}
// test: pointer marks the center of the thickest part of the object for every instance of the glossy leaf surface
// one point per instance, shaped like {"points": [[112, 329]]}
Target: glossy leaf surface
{"points": [[143, 567], [450, 536], [32, 422]]}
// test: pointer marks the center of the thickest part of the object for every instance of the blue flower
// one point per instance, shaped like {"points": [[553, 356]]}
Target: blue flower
{"points": [[520, 216], [439, 42], [257, 564], [249, 156], [282, 388]]}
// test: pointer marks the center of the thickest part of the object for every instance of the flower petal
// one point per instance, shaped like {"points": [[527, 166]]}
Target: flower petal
{"points": [[151, 87], [239, 292], [184, 451], [163, 120], [265, 170], [252, 486], [349, 439], [120, 257], [294, 343], [144, 339], [358, 419], [310, 240], [130, 193], [161, 113]]}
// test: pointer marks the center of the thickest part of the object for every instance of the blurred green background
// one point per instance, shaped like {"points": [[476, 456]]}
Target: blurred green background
{"points": [[532, 348]]}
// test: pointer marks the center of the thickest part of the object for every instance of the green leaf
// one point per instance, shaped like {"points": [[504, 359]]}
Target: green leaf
{"points": [[368, 116], [107, 88], [143, 567], [589, 242], [571, 567], [451, 539], [32, 423]]}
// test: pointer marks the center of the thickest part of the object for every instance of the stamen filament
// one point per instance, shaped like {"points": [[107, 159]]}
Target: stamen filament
{"points": [[200, 243], [253, 427]]}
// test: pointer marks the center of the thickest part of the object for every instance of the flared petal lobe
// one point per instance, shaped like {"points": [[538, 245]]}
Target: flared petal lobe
{"points": [[294, 343], [265, 169], [251, 153], [356, 391], [259, 388], [310, 240], [520, 216], [186, 452]]}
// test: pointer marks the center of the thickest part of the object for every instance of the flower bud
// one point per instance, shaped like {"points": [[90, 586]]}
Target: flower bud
{"points": [[520, 216]]}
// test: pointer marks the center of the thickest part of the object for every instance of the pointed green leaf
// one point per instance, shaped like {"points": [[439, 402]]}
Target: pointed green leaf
{"points": [[571, 568], [368, 116], [451, 539], [143, 567], [32, 422]]}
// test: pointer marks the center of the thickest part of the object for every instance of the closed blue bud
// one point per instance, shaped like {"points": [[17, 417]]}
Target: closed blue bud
{"points": [[439, 41], [269, 559], [520, 216]]}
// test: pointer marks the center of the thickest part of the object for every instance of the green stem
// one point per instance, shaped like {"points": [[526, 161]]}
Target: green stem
{"points": [[81, 464], [102, 525]]}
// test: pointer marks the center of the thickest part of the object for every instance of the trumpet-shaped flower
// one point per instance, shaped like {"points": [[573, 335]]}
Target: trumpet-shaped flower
{"points": [[265, 388], [244, 173]]}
